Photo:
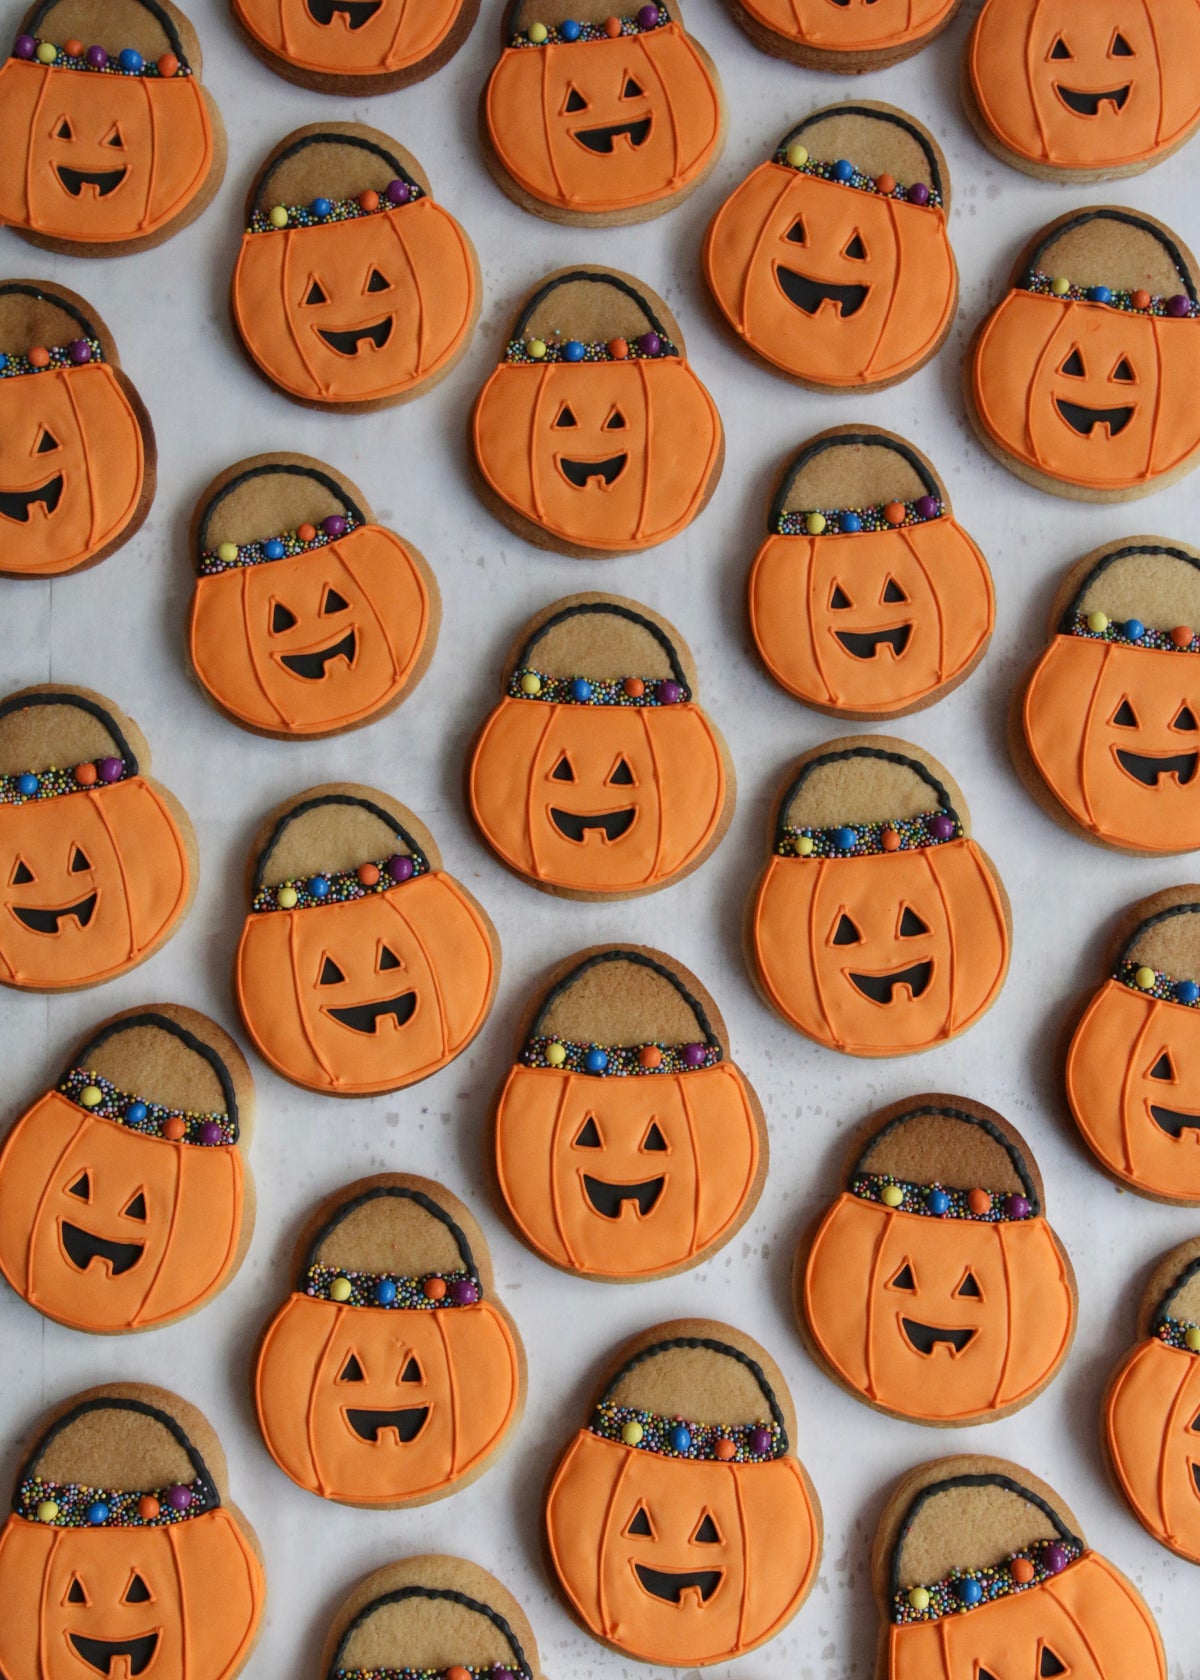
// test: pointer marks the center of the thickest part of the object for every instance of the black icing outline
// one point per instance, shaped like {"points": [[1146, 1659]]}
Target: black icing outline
{"points": [[117, 1403], [21, 288], [594, 277], [67, 697], [325, 137], [993, 1480], [1162, 1311], [446, 1593], [896, 118], [712, 1346], [1128, 218], [943, 1113], [1151, 922], [514, 6], [307, 805], [285, 469], [920, 770], [164, 1023], [842, 440], [617, 953], [1129, 550], [613, 610], [401, 1193], [161, 17]]}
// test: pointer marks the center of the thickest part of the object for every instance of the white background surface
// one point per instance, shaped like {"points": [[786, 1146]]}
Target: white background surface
{"points": [[119, 628]]}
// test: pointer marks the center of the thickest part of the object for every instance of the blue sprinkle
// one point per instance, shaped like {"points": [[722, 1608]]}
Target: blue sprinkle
{"points": [[596, 1061], [385, 1292], [274, 550], [851, 522], [680, 1438], [843, 171], [581, 689], [136, 1113], [132, 61], [321, 207], [1099, 294], [98, 1513], [937, 1201], [970, 1592], [319, 887], [1134, 629], [27, 783], [1186, 991], [570, 30], [573, 350], [844, 838]]}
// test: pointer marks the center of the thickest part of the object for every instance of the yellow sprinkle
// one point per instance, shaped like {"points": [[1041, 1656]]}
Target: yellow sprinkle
{"points": [[918, 1598], [277, 216], [531, 684], [46, 53], [47, 1510], [631, 1432], [286, 898], [536, 348], [556, 1054], [228, 552], [538, 33], [1060, 287], [891, 1195], [814, 524], [804, 846], [797, 155], [91, 1096], [339, 1289], [1098, 622], [1192, 1337], [1145, 979]]}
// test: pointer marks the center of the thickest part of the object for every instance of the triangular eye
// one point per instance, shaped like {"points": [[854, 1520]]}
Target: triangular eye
{"points": [[839, 600], [654, 1140], [1060, 49], [632, 89], [969, 1288], [137, 1207], [47, 443], [1050, 1664], [589, 1136], [1125, 717], [1120, 49], [352, 1371], [708, 1534], [615, 421], [1163, 1068], [1073, 366], [331, 974], [911, 924], [1194, 1426], [575, 101], [640, 1523], [904, 1279], [80, 862], [565, 417], [75, 1592], [387, 959], [82, 1187], [21, 874], [113, 138], [1124, 372], [281, 618], [64, 131], [411, 1371], [856, 249], [137, 1592], [334, 603], [796, 234], [622, 775], [562, 771], [893, 592], [846, 932], [1185, 718], [316, 293], [377, 282]]}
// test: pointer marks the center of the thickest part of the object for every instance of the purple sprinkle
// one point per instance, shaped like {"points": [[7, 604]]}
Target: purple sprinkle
{"points": [[400, 868], [1178, 306], [179, 1498], [942, 827], [670, 693], [1055, 1559], [647, 17], [210, 1132], [918, 193], [926, 507], [650, 344], [24, 46], [693, 1055], [398, 192], [79, 351], [334, 526], [1017, 1207], [760, 1441], [464, 1293], [111, 769], [96, 57]]}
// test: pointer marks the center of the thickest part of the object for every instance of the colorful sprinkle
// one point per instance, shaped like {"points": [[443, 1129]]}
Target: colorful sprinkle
{"points": [[50, 784]]}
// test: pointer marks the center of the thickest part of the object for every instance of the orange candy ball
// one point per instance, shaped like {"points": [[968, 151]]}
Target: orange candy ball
{"points": [[634, 687], [73, 48], [618, 349], [979, 1201], [368, 874], [885, 183], [85, 774], [612, 27], [435, 1288], [890, 840], [306, 533], [650, 1056], [1021, 1570], [148, 1507], [39, 356], [168, 65], [1140, 299], [174, 1128], [724, 1449], [894, 513], [368, 200], [1181, 636]]}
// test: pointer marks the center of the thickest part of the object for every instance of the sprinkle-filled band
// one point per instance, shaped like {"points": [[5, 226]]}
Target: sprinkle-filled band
{"points": [[320, 210], [528, 684], [1179, 1333], [74, 55], [1098, 627], [672, 1437], [342, 885], [48, 784], [906, 834], [1178, 307], [649, 346], [389, 1289], [942, 1201], [457, 1671], [41, 357], [967, 1589], [646, 18], [844, 174], [231, 556], [99, 1096], [840, 522], [74, 1505], [617, 1060], [1154, 983]]}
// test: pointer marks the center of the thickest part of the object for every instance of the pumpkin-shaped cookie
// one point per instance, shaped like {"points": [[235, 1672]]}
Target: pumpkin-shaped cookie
{"points": [[1133, 1065], [846, 36], [77, 456], [681, 1527], [933, 1288], [125, 1199], [593, 118], [354, 288], [308, 617], [97, 862], [603, 785], [1153, 1403], [879, 926], [1108, 731], [831, 261], [106, 145], [626, 1143], [123, 1555], [867, 599], [355, 47], [1086, 93], [980, 1570], [363, 966], [392, 1375], [1081, 379], [594, 436]]}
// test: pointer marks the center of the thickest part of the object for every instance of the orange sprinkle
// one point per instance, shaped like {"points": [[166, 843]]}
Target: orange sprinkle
{"points": [[979, 1201], [148, 1507], [890, 840], [1140, 300], [368, 200], [894, 513], [168, 65], [612, 27], [39, 356], [724, 1449], [885, 183], [174, 1128], [368, 874], [650, 1056], [435, 1288], [618, 349], [85, 774], [1021, 1570], [306, 533], [634, 687], [1181, 635]]}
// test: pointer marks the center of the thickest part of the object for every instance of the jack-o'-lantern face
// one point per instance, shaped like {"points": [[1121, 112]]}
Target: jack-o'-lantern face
{"points": [[351, 38], [854, 26]]}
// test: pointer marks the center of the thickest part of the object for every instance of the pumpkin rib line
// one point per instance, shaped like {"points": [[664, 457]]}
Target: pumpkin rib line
{"points": [[39, 1211], [431, 969], [310, 1419], [690, 1119], [1169, 1428], [293, 929], [252, 648], [555, 1197]]}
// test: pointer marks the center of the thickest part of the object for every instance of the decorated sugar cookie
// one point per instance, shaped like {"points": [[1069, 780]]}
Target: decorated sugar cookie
{"points": [[1133, 1065], [110, 145], [1153, 1402], [847, 36], [627, 1144], [77, 456], [1109, 726], [592, 118], [353, 287], [879, 926], [308, 617], [594, 436], [681, 1527], [97, 862], [979, 1569], [125, 1198], [933, 1288], [355, 47], [123, 1554], [598, 775], [391, 1375], [363, 966], [831, 261], [1084, 93], [412, 1617], [1081, 379], [867, 599]]}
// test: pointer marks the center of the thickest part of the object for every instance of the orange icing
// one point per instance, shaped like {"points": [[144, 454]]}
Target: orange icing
{"points": [[1035, 67], [398, 35], [671, 439], [951, 888], [430, 301], [908, 271], [137, 869], [853, 26], [1151, 1406], [533, 136], [239, 658], [97, 451], [1017, 382], [768, 1554], [166, 148], [947, 613]]}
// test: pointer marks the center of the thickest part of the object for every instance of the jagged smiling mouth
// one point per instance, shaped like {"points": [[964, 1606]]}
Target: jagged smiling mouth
{"points": [[575, 827], [351, 341], [406, 1421], [313, 666], [865, 644], [47, 921], [105, 181], [1084, 420], [1150, 768], [355, 12], [809, 295], [17, 504], [102, 1654], [602, 140], [581, 473], [882, 988], [671, 1584], [1085, 104], [925, 1338], [610, 1200], [366, 1017], [83, 1247]]}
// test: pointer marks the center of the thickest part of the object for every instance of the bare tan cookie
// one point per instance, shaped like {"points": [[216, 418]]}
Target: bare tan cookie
{"points": [[847, 37], [354, 47]]}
